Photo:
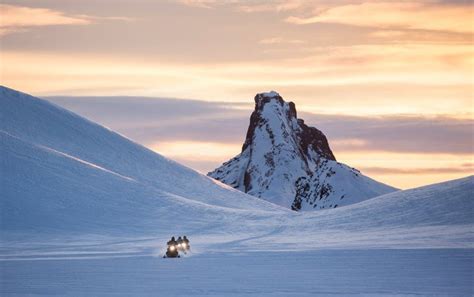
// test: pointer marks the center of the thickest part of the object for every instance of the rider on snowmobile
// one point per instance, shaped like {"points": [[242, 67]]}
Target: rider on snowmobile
{"points": [[181, 244], [172, 241], [172, 250], [186, 241]]}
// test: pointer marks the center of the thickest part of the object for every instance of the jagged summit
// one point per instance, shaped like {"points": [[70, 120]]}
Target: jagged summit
{"points": [[287, 162], [269, 107]]}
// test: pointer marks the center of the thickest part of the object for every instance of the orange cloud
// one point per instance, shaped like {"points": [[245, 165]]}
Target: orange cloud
{"points": [[195, 150], [247, 6], [390, 15], [280, 40], [387, 33], [433, 170], [407, 170], [363, 79], [17, 17]]}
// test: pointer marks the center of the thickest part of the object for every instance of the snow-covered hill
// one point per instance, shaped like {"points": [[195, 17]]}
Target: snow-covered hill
{"points": [[63, 173], [288, 163], [438, 215]]}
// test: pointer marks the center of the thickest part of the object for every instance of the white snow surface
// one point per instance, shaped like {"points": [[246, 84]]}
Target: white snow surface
{"points": [[86, 212]]}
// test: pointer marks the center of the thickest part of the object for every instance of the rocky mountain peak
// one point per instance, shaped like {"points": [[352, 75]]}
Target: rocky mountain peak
{"points": [[287, 162], [270, 108]]}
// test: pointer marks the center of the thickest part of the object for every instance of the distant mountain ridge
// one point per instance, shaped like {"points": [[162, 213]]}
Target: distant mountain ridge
{"points": [[286, 162]]}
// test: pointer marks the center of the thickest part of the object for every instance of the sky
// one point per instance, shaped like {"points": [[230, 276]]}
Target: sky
{"points": [[389, 82]]}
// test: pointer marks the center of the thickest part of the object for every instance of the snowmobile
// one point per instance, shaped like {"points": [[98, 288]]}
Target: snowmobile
{"points": [[183, 247], [172, 252], [176, 246]]}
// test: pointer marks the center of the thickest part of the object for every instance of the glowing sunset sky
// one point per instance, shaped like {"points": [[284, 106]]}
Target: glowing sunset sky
{"points": [[390, 83]]}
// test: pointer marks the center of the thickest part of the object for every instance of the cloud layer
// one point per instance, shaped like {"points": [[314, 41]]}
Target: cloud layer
{"points": [[16, 18], [204, 134], [395, 15], [20, 18]]}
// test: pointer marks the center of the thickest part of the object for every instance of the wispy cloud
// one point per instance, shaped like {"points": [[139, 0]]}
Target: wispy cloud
{"points": [[280, 40], [248, 6], [267, 6], [395, 15], [200, 3], [397, 133], [411, 171], [20, 18], [387, 33]]}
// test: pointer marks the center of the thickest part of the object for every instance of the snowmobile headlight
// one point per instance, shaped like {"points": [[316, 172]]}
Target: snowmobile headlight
{"points": [[172, 248]]}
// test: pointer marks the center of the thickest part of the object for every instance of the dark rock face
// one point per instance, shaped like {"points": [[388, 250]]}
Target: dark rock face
{"points": [[286, 162], [308, 137], [312, 138]]}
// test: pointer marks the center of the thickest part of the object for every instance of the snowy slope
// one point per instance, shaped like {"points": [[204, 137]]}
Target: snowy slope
{"points": [[288, 163], [439, 215], [62, 172]]}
